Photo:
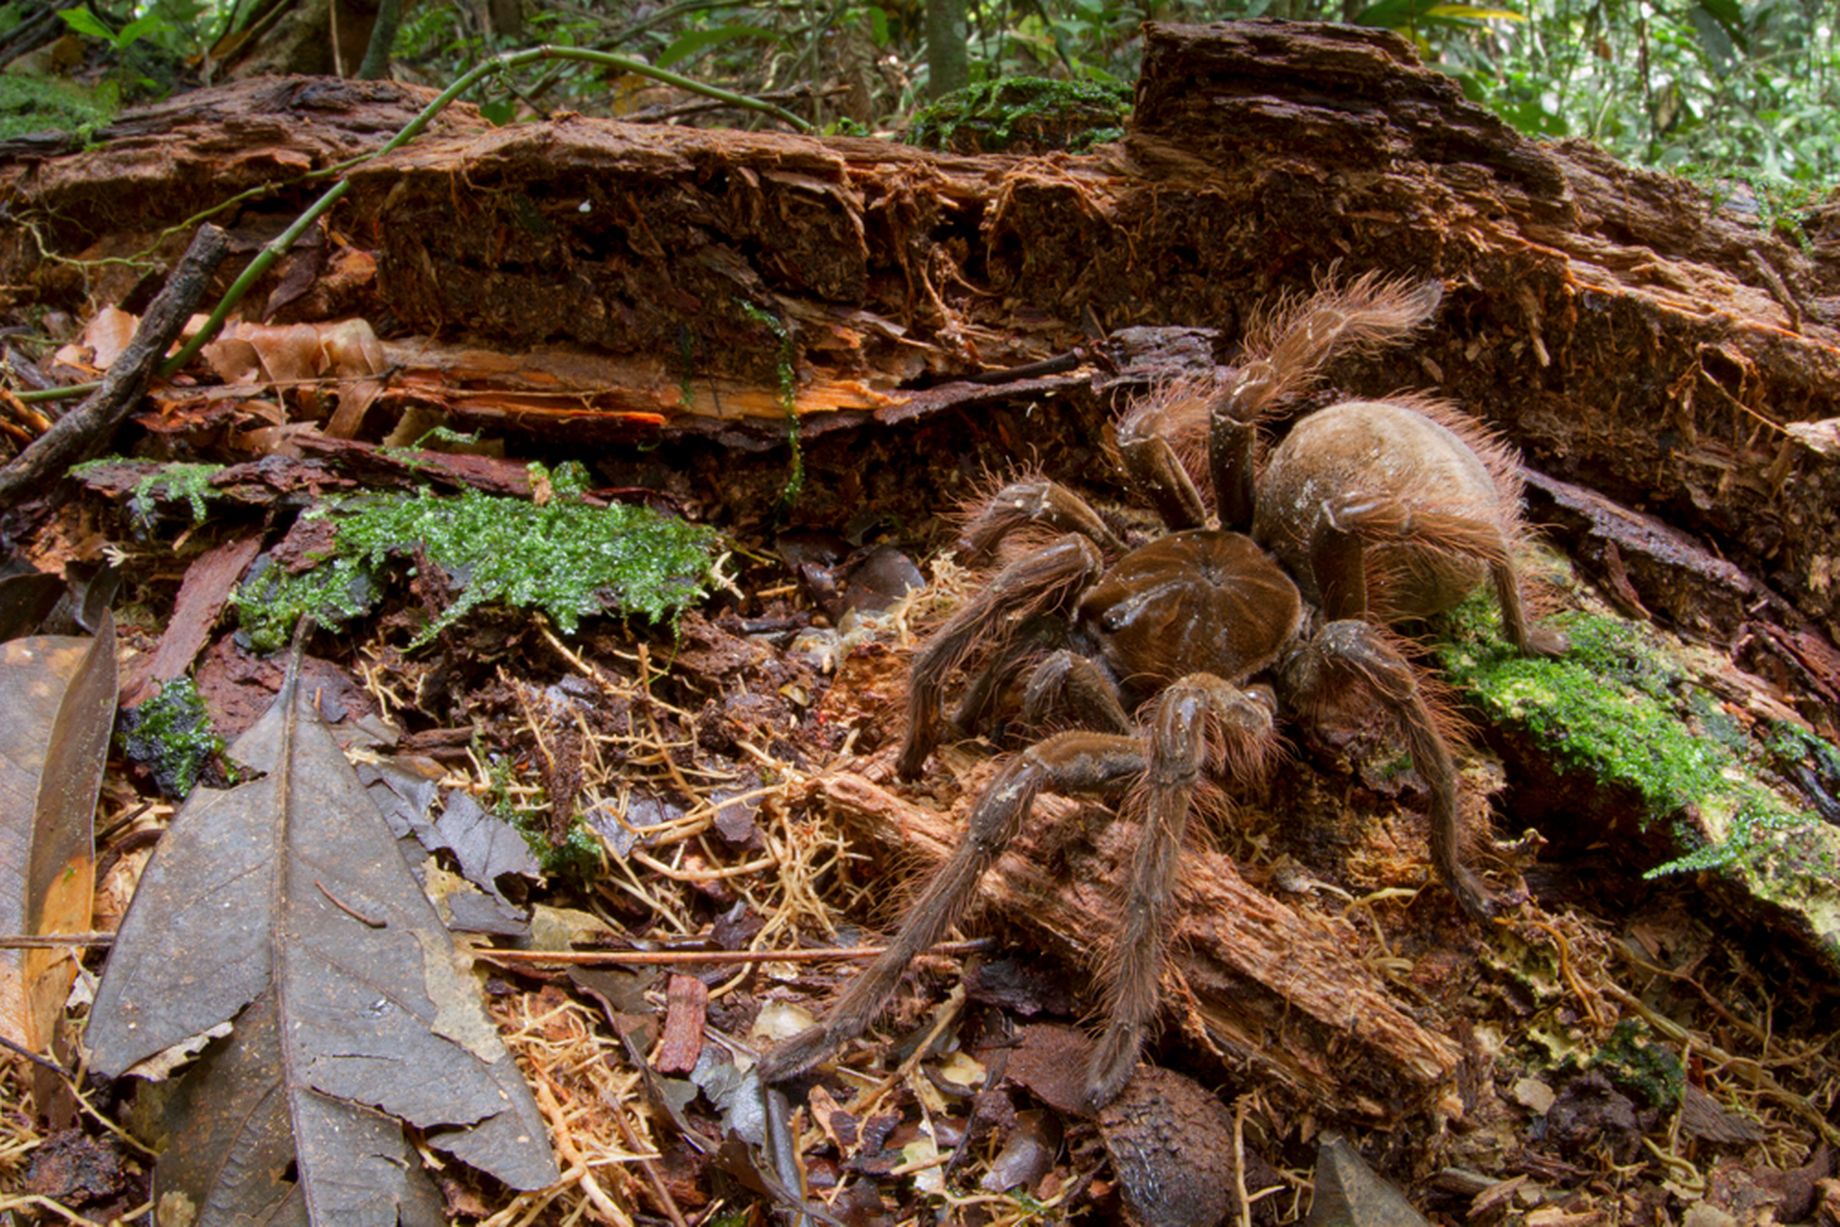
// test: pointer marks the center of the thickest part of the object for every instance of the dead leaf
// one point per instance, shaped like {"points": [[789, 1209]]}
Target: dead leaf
{"points": [[344, 354], [107, 334], [25, 599], [58, 693], [283, 903], [207, 586], [485, 845]]}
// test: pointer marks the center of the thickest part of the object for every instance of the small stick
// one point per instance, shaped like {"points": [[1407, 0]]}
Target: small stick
{"points": [[53, 941], [672, 958], [646, 1165]]}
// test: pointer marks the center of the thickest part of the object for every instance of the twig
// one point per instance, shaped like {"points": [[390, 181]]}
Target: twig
{"points": [[86, 429], [674, 958], [53, 941], [36, 1059], [647, 1165]]}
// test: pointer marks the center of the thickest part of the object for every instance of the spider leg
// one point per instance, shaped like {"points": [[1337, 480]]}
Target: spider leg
{"points": [[1230, 463], [1034, 582], [977, 707], [1200, 722], [1033, 502], [1066, 762], [1073, 688], [1351, 523], [1154, 467], [1354, 652], [1284, 350]]}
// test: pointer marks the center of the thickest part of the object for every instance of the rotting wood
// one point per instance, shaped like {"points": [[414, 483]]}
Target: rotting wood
{"points": [[1275, 990], [1656, 344]]}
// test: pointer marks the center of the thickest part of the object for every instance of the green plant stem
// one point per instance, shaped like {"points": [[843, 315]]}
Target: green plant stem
{"points": [[277, 247]]}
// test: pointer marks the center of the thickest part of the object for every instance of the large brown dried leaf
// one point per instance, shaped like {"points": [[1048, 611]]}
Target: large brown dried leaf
{"points": [[58, 696], [288, 892], [345, 354]]}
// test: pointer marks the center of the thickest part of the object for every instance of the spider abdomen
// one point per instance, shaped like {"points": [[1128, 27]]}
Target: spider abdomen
{"points": [[1192, 602], [1429, 462]]}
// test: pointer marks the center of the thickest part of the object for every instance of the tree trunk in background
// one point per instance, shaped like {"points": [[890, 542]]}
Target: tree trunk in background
{"points": [[323, 37], [946, 65], [376, 64]]}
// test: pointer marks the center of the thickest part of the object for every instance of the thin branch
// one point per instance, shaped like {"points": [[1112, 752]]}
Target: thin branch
{"points": [[699, 958]]}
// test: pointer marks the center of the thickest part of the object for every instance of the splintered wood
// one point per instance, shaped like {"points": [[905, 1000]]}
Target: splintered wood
{"points": [[1274, 989]]}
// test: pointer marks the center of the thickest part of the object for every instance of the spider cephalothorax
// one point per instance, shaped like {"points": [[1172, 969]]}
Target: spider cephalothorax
{"points": [[1366, 512]]}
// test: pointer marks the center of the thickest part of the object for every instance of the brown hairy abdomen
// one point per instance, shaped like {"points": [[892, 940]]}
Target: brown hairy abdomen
{"points": [[1378, 450]]}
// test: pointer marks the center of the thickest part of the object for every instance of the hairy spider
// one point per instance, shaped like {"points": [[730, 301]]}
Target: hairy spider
{"points": [[1366, 512]]}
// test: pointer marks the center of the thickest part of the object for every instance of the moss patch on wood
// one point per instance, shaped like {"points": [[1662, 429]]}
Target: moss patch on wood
{"points": [[1620, 709], [1023, 115], [566, 557]]}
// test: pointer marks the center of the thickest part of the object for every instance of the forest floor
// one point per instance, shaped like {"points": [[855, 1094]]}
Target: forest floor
{"points": [[721, 783]]}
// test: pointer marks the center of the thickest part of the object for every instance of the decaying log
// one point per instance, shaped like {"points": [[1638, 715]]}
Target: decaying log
{"points": [[1625, 329], [1275, 989]]}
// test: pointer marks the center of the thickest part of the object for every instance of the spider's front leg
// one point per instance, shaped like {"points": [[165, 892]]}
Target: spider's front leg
{"points": [[1033, 583], [1201, 723], [1067, 763], [1353, 654]]}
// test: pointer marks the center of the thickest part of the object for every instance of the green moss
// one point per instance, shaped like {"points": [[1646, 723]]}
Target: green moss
{"points": [[1616, 708], [40, 104], [172, 483], [788, 399], [1636, 1061], [1028, 114], [566, 558], [271, 602], [171, 735], [578, 856]]}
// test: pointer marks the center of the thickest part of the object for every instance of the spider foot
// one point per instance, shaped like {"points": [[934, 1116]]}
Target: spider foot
{"points": [[792, 1057], [1113, 1061]]}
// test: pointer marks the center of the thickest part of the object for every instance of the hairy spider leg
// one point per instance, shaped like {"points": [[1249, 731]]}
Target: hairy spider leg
{"points": [[1201, 723], [1153, 466], [1076, 762], [989, 621], [1351, 523], [1283, 354], [1353, 652], [1073, 690], [1032, 502]]}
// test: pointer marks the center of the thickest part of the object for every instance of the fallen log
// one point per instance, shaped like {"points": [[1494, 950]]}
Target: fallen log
{"points": [[1276, 990]]}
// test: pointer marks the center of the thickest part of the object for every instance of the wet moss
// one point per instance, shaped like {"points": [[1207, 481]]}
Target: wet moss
{"points": [[567, 558], [1618, 709], [190, 484], [578, 856], [1023, 114], [271, 602], [1636, 1061], [171, 735]]}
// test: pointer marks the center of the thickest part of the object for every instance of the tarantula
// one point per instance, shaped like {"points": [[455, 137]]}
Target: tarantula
{"points": [[1366, 512]]}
